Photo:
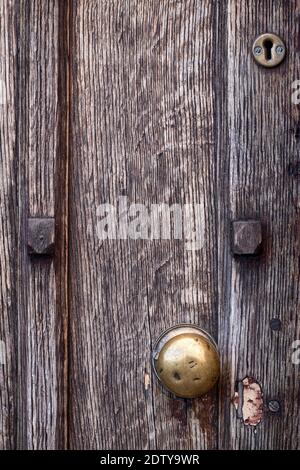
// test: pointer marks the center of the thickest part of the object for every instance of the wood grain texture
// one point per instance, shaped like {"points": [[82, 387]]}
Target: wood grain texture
{"points": [[262, 140], [32, 379], [142, 126], [8, 239], [160, 102]]}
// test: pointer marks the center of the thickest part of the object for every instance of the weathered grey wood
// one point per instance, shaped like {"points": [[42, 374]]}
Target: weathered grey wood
{"points": [[261, 141], [167, 106], [32, 381], [8, 204], [142, 126]]}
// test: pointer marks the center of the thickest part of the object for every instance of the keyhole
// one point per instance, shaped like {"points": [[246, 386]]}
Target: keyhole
{"points": [[268, 45]]}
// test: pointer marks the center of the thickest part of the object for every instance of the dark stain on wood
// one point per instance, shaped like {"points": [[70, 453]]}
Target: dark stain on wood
{"points": [[294, 169]]}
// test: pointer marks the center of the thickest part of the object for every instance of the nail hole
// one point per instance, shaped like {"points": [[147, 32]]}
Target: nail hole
{"points": [[176, 376], [275, 324]]}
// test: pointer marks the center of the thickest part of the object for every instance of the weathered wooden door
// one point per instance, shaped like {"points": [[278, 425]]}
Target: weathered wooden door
{"points": [[159, 102]]}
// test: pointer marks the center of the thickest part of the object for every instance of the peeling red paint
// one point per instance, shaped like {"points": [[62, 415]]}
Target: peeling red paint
{"points": [[248, 401]]}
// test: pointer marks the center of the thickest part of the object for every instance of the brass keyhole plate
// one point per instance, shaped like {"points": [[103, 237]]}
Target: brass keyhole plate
{"points": [[186, 361], [268, 50]]}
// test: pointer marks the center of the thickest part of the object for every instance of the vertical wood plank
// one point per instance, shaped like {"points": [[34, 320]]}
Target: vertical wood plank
{"points": [[32, 380], [142, 127], [8, 208], [263, 140], [41, 127]]}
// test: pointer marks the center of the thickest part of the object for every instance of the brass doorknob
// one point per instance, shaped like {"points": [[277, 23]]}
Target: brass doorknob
{"points": [[186, 361]]}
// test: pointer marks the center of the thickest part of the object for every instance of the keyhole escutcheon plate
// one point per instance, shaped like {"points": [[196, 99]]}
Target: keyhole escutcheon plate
{"points": [[269, 50]]}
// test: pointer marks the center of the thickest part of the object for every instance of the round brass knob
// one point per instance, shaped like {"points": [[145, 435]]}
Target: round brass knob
{"points": [[186, 361]]}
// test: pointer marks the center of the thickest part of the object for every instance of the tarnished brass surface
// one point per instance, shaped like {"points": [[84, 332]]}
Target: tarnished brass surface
{"points": [[186, 361], [269, 50]]}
